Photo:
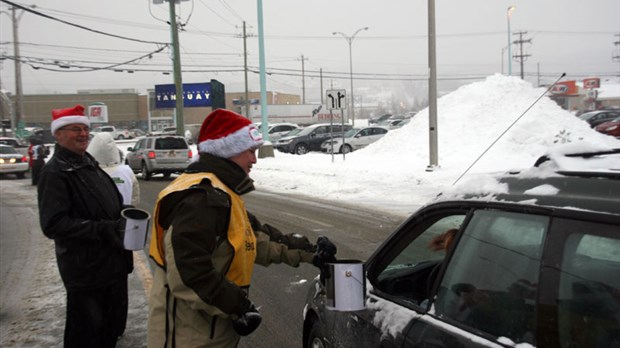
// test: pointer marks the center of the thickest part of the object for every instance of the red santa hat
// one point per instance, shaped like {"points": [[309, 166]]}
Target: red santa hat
{"points": [[63, 117], [226, 134]]}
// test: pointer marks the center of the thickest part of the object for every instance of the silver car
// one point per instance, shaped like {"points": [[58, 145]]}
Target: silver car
{"points": [[164, 154], [354, 139], [13, 162]]}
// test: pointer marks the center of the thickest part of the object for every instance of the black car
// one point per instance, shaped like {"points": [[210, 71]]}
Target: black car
{"points": [[527, 259], [310, 138], [594, 118]]}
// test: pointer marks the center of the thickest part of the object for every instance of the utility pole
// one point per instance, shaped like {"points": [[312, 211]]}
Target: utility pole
{"points": [[616, 54], [432, 90], [178, 81], [19, 94], [245, 69], [521, 57], [321, 74], [303, 80]]}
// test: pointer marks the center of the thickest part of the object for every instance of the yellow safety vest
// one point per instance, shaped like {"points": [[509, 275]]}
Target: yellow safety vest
{"points": [[240, 234]]}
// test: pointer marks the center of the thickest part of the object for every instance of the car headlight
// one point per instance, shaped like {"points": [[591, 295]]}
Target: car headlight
{"points": [[610, 128]]}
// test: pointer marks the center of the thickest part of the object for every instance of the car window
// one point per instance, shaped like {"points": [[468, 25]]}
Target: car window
{"points": [[170, 144], [321, 130], [139, 145], [491, 282], [377, 131], [411, 269], [589, 290]]}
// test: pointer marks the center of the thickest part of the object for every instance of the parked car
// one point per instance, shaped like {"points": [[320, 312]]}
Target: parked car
{"points": [[277, 130], [510, 260], [165, 131], [46, 136], [594, 118], [117, 134], [13, 162], [394, 124], [610, 127], [379, 119], [136, 133], [165, 154], [18, 144], [354, 139], [310, 138]]}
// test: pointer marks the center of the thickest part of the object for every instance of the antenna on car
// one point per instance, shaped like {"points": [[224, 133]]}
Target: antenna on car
{"points": [[507, 129]]}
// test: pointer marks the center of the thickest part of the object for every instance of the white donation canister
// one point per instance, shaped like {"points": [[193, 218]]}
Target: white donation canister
{"points": [[346, 288], [136, 228]]}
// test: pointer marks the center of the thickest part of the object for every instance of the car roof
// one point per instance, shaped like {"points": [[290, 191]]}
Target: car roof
{"points": [[549, 185]]}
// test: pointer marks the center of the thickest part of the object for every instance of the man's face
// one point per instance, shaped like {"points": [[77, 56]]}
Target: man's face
{"points": [[245, 160], [73, 137]]}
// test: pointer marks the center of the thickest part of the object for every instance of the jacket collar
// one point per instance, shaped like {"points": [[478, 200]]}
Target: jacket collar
{"points": [[226, 170], [69, 160]]}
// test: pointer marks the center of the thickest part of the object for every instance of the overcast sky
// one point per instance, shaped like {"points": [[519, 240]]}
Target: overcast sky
{"points": [[576, 37]]}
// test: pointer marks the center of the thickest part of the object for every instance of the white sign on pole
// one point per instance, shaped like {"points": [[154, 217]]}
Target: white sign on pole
{"points": [[336, 99]]}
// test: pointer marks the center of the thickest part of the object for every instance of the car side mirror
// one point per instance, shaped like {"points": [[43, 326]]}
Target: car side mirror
{"points": [[130, 149]]}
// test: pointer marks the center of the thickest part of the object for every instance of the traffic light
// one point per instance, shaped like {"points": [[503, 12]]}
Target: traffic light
{"points": [[6, 124]]}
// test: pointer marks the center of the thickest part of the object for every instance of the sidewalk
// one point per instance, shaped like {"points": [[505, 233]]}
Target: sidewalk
{"points": [[33, 299]]}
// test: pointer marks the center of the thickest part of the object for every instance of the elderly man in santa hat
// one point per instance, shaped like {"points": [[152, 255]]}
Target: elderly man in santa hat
{"points": [[205, 243], [80, 209]]}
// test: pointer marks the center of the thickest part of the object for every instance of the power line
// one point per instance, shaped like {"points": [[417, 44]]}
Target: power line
{"points": [[79, 26]]}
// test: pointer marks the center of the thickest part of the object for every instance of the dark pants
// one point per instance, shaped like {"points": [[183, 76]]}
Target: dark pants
{"points": [[37, 165], [96, 318]]}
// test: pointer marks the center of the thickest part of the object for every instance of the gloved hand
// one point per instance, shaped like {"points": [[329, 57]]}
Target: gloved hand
{"points": [[325, 252], [297, 241], [248, 322], [115, 234]]}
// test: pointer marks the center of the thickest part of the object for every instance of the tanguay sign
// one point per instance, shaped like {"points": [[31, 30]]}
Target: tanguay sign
{"points": [[194, 94]]}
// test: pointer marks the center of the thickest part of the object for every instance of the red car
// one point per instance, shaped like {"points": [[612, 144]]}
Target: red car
{"points": [[610, 127]]}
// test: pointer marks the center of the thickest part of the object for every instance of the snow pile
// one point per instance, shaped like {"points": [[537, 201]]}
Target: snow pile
{"points": [[391, 172]]}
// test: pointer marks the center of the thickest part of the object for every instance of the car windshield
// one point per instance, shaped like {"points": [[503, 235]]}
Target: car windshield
{"points": [[293, 132], [7, 150], [304, 131], [351, 132], [587, 115]]}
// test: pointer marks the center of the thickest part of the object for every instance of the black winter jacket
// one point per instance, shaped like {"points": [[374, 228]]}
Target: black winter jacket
{"points": [[79, 208]]}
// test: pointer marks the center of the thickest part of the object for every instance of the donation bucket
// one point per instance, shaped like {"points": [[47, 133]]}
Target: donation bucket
{"points": [[346, 287], [136, 228]]}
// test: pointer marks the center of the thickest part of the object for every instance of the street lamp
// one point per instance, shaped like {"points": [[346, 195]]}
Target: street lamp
{"points": [[509, 14], [350, 41]]}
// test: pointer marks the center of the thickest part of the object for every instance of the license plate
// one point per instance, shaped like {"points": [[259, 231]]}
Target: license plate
{"points": [[172, 154]]}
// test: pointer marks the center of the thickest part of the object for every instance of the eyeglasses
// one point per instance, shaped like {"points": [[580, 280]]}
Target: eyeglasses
{"points": [[77, 129]]}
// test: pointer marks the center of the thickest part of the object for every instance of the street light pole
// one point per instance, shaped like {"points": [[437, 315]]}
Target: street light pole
{"points": [[350, 41], [509, 14]]}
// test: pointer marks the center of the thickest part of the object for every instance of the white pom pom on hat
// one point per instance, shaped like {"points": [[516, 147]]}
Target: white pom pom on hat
{"points": [[225, 134], [64, 117]]}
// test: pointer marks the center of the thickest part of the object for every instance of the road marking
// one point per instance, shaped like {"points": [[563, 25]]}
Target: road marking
{"points": [[307, 219]]}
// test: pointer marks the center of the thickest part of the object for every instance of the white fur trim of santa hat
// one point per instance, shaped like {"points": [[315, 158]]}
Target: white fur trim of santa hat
{"points": [[233, 144], [64, 117], [225, 134]]}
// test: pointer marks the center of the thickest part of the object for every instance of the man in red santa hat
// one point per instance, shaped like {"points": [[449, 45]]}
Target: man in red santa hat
{"points": [[80, 209], [205, 243]]}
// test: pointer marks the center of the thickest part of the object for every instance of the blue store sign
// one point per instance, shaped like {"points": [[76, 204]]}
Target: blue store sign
{"points": [[194, 94]]}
